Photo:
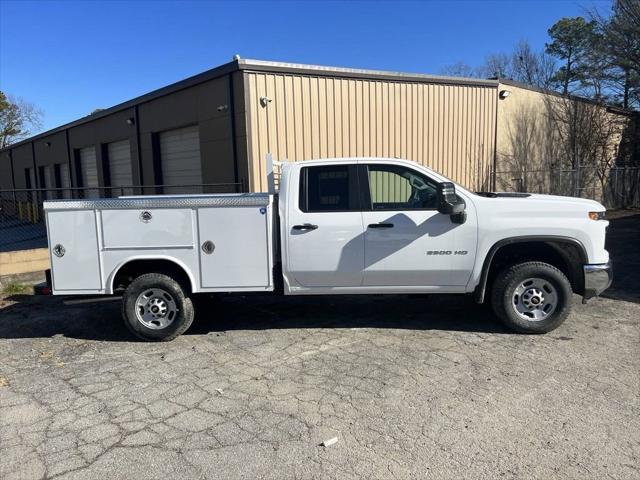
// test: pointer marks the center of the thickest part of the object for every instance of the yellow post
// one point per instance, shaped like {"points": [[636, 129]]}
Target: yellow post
{"points": [[20, 211]]}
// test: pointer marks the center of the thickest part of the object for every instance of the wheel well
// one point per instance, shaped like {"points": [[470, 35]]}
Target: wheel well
{"points": [[567, 257], [133, 269]]}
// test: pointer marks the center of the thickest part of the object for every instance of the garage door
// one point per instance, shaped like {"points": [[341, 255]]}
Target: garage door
{"points": [[120, 167], [89, 169], [180, 158], [49, 184], [30, 177], [65, 181]]}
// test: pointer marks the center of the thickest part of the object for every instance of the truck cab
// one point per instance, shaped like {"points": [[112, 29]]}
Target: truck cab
{"points": [[372, 226], [337, 226]]}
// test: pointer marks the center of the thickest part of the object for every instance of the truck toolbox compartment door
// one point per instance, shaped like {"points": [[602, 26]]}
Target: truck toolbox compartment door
{"points": [[139, 228], [238, 252], [79, 267]]}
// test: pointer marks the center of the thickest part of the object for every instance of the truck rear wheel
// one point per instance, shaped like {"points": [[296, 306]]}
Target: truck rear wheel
{"points": [[155, 308], [531, 297]]}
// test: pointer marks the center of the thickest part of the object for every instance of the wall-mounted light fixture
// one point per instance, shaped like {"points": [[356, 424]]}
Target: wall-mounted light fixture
{"points": [[48, 144], [130, 121], [222, 108], [504, 94], [264, 101]]}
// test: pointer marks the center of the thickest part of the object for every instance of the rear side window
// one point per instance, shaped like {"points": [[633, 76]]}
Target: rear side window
{"points": [[328, 189]]}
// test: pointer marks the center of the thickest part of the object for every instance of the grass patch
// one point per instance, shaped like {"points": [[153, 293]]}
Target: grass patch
{"points": [[16, 289]]}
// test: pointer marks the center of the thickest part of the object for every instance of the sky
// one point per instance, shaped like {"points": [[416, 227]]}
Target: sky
{"points": [[69, 57]]}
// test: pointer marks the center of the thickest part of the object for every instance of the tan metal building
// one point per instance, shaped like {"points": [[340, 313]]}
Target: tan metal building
{"points": [[302, 112], [218, 127]]}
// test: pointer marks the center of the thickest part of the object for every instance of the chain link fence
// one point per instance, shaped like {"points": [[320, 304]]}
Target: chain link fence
{"points": [[22, 225], [617, 187]]}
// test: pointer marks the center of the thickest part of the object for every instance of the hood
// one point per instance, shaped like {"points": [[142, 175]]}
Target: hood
{"points": [[584, 202], [528, 198]]}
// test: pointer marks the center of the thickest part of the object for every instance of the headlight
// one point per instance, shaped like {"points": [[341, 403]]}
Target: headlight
{"points": [[597, 215]]}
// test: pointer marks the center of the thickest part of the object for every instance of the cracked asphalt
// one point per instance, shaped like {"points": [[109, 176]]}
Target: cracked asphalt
{"points": [[412, 387]]}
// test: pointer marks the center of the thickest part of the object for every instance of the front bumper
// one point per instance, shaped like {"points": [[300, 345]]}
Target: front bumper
{"points": [[597, 278]]}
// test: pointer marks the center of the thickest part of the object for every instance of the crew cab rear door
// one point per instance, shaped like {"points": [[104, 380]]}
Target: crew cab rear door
{"points": [[407, 241], [324, 230]]}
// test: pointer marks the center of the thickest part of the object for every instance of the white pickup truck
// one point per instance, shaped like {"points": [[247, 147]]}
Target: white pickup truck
{"points": [[339, 226]]}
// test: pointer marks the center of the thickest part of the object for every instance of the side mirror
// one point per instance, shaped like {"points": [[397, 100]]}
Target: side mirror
{"points": [[448, 201]]}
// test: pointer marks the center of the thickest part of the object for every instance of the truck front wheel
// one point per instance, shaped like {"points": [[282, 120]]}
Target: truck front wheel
{"points": [[531, 297], [155, 308]]}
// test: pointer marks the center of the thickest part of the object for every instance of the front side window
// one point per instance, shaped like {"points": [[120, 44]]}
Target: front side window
{"points": [[328, 189], [395, 187]]}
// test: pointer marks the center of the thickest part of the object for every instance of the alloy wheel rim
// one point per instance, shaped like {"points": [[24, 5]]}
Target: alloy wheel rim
{"points": [[535, 299], [156, 308]]}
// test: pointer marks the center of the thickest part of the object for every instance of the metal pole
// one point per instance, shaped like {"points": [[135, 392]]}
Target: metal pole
{"points": [[615, 189]]}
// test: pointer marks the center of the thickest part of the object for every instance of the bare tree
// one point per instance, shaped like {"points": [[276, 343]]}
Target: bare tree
{"points": [[459, 69], [18, 119], [589, 137], [547, 68], [497, 65], [525, 63], [531, 67]]}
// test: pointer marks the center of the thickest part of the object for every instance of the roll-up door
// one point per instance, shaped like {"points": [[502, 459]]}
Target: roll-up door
{"points": [[89, 169], [49, 183], [120, 167], [180, 158], [65, 180], [30, 177]]}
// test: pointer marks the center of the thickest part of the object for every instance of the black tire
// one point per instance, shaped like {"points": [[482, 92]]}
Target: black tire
{"points": [[505, 299], [180, 312]]}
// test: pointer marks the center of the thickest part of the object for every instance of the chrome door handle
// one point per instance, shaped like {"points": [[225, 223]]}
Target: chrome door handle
{"points": [[305, 226]]}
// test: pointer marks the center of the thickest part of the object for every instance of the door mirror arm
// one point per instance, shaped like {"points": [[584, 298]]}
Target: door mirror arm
{"points": [[459, 218]]}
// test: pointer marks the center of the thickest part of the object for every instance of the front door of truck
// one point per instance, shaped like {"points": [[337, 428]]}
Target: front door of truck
{"points": [[407, 241], [324, 231]]}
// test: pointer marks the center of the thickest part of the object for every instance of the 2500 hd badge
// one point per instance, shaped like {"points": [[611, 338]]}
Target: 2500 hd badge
{"points": [[446, 252]]}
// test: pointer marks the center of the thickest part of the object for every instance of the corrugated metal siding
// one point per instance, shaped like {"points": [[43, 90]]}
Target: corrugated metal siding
{"points": [[180, 156], [32, 178], [119, 154], [89, 168], [387, 187], [449, 128], [65, 180], [48, 181]]}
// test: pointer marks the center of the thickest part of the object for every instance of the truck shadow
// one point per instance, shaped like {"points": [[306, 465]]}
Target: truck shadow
{"points": [[411, 312], [99, 319]]}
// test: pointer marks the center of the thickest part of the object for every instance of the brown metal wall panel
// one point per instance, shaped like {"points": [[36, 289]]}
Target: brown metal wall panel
{"points": [[449, 128], [22, 159], [207, 105], [6, 174]]}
